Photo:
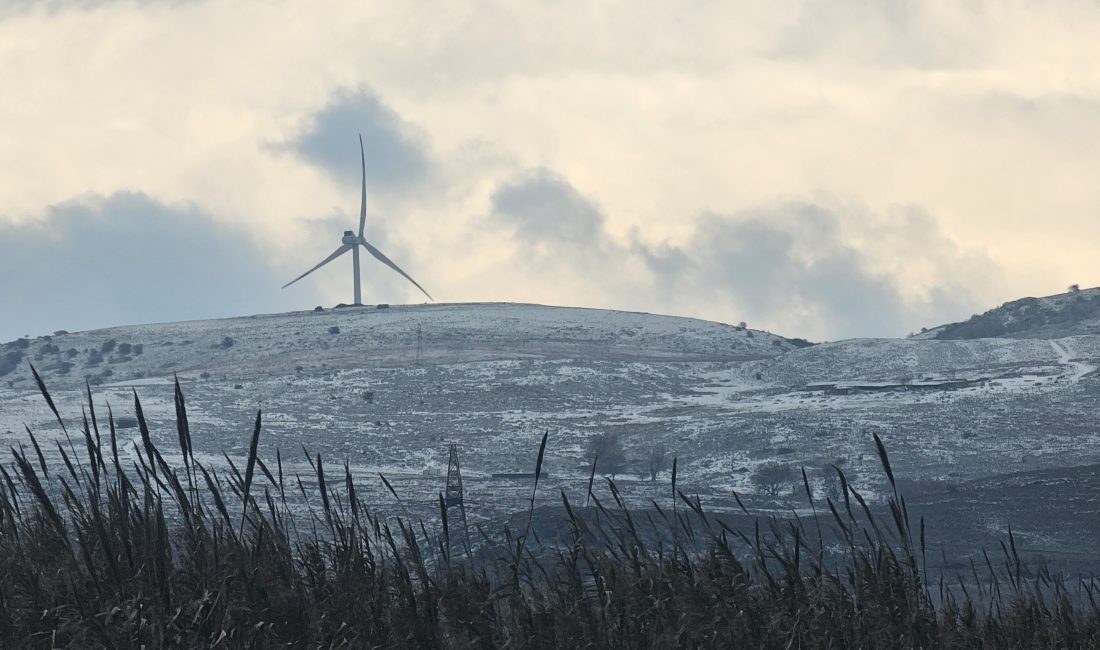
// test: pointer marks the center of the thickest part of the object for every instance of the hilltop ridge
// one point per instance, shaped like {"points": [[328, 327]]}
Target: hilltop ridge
{"points": [[374, 336], [1074, 313]]}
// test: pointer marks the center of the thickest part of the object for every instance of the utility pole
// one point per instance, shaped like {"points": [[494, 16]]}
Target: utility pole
{"points": [[419, 343], [453, 497]]}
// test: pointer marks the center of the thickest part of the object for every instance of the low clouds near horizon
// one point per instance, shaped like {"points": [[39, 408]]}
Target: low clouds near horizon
{"points": [[128, 259], [787, 267], [791, 267]]}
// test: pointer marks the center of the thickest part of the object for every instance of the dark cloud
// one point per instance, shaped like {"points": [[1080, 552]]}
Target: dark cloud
{"points": [[396, 151], [541, 204], [788, 264], [126, 258]]}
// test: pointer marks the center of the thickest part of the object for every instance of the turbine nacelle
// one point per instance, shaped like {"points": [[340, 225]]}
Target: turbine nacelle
{"points": [[349, 238]]}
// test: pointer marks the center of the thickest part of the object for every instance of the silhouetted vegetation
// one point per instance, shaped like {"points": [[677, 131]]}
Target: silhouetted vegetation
{"points": [[773, 479], [607, 451], [99, 553]]}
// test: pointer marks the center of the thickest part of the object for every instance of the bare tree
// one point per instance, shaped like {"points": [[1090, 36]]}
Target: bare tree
{"points": [[653, 462], [773, 478], [609, 447]]}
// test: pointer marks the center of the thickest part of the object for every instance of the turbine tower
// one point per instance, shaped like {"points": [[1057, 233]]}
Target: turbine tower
{"points": [[351, 242]]}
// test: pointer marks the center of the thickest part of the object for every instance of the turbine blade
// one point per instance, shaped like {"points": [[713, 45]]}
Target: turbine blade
{"points": [[337, 253], [385, 260], [363, 205]]}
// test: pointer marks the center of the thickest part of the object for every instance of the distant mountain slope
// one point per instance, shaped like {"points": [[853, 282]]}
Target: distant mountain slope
{"points": [[1053, 317]]}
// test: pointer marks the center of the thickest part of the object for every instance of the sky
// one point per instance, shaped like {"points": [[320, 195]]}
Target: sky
{"points": [[820, 169]]}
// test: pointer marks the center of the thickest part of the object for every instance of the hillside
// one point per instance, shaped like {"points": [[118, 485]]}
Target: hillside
{"points": [[1066, 314], [390, 389]]}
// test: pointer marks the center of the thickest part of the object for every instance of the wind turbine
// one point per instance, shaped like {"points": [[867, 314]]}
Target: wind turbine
{"points": [[351, 242]]}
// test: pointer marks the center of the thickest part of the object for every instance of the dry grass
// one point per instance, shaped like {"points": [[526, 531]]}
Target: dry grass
{"points": [[96, 554]]}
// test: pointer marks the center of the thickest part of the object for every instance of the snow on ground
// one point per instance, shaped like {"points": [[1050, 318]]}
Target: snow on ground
{"points": [[353, 383]]}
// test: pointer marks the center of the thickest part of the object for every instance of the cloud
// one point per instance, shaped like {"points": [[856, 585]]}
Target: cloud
{"points": [[53, 6], [819, 269], [877, 102], [396, 151], [126, 258], [788, 267], [810, 269], [883, 33], [541, 205]]}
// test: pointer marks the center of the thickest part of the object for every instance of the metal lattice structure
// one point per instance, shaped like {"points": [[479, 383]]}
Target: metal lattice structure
{"points": [[453, 500]]}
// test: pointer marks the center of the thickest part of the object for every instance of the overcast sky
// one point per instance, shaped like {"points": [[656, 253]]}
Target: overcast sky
{"points": [[819, 169]]}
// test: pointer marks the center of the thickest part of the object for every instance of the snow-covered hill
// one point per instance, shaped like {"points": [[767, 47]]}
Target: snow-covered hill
{"points": [[1073, 313], [390, 389], [368, 336]]}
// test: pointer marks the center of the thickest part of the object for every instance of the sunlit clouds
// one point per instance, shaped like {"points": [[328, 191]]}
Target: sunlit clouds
{"points": [[819, 169]]}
